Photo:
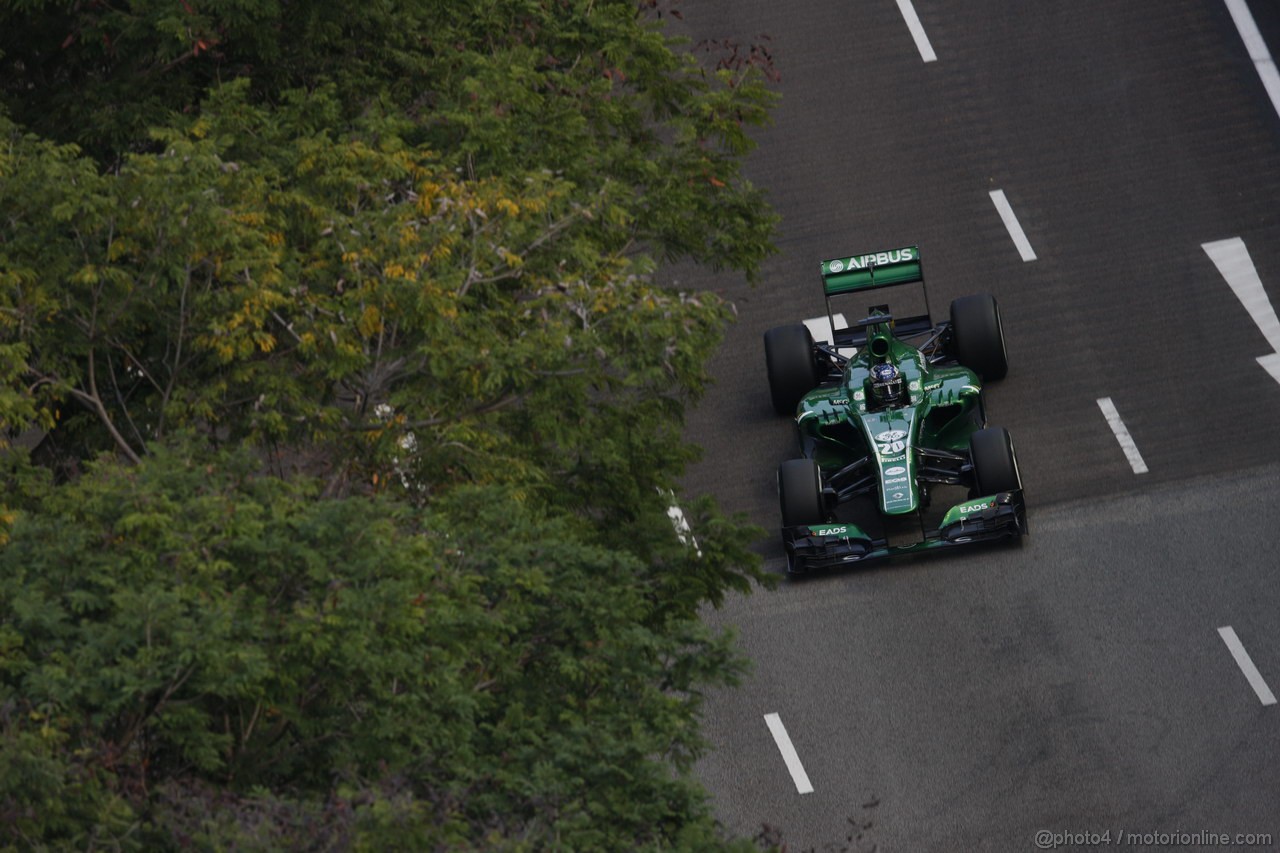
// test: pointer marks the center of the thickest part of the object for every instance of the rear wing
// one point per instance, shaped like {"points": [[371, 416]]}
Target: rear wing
{"points": [[872, 271]]}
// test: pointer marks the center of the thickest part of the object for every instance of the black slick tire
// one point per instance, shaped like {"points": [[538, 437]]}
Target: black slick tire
{"points": [[788, 355], [800, 492], [978, 337], [995, 467]]}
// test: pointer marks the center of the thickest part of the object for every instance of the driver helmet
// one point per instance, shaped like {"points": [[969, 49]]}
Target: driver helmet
{"points": [[886, 383]]}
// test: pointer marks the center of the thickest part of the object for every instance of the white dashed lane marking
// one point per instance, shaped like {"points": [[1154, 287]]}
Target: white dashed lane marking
{"points": [[917, 30], [1234, 264], [681, 524], [1245, 663], [788, 751], [1122, 435], [683, 531], [1011, 223], [1257, 48]]}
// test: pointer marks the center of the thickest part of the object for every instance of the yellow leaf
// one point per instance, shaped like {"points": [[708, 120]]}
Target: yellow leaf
{"points": [[87, 274], [370, 321], [266, 341]]}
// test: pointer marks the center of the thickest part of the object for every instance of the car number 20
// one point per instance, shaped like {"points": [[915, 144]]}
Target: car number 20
{"points": [[891, 441]]}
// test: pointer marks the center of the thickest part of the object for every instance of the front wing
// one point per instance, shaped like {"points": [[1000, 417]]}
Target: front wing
{"points": [[823, 546]]}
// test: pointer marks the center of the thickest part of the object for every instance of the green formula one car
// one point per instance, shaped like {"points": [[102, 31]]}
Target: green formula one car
{"points": [[886, 427]]}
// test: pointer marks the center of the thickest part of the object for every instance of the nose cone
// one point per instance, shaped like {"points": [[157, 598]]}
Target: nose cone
{"points": [[890, 437]]}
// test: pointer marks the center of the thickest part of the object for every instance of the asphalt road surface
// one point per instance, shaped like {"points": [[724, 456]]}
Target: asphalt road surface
{"points": [[1110, 675]]}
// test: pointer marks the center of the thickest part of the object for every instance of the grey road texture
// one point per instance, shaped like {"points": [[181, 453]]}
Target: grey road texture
{"points": [[1075, 683], [1080, 682]]}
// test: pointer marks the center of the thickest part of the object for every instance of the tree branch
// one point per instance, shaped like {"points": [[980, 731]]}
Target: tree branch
{"points": [[93, 399], [124, 407], [177, 354], [94, 402]]}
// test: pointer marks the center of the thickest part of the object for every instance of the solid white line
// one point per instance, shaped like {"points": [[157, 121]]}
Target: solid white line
{"points": [[1011, 223], [1231, 257], [1246, 666], [820, 327], [788, 751], [1271, 363], [917, 30], [1122, 435], [1257, 48]]}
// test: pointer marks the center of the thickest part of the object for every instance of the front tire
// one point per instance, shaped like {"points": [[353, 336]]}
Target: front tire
{"points": [[978, 336], [800, 495], [788, 355], [800, 492], [995, 467]]}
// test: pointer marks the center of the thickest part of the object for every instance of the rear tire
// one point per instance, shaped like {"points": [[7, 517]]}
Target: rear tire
{"points": [[995, 467], [788, 355], [978, 336], [800, 492]]}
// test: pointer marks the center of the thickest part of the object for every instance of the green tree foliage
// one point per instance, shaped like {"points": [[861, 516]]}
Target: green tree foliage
{"points": [[587, 89], [407, 256], [475, 673]]}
